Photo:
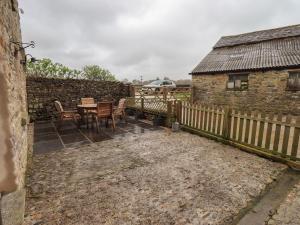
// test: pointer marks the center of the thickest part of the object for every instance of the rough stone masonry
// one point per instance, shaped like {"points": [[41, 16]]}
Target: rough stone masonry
{"points": [[13, 116], [267, 92], [42, 92]]}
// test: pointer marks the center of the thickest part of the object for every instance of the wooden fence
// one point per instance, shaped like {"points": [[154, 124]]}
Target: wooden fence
{"points": [[276, 136], [147, 105], [149, 100], [165, 93]]}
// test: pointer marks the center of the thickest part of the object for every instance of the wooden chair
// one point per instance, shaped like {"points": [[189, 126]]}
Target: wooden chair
{"points": [[85, 101], [120, 109], [104, 111], [65, 115]]}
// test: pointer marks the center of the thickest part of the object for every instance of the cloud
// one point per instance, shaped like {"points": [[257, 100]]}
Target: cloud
{"points": [[150, 37]]}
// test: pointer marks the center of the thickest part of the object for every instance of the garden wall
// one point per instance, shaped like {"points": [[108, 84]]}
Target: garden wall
{"points": [[42, 92]]}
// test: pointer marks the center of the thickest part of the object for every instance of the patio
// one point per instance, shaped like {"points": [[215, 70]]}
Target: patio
{"points": [[140, 174], [49, 138]]}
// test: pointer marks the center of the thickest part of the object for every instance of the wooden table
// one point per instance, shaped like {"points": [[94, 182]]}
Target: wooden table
{"points": [[85, 110], [88, 106]]}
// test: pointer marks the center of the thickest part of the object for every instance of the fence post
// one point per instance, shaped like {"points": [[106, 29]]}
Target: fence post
{"points": [[178, 111], [226, 125], [142, 105], [169, 113], [165, 93], [132, 91]]}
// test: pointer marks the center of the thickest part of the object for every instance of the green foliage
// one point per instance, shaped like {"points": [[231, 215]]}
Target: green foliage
{"points": [[95, 72], [46, 68]]}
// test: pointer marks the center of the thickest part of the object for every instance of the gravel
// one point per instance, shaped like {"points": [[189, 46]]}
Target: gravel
{"points": [[157, 178]]}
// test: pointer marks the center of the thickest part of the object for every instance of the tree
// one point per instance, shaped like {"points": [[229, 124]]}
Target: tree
{"points": [[95, 72], [46, 68]]}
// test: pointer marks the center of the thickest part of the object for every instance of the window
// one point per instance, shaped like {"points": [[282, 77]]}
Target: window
{"points": [[167, 83], [293, 83], [237, 82]]}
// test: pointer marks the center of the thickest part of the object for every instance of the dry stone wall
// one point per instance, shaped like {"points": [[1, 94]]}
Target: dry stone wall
{"points": [[13, 116], [266, 92], [42, 92]]}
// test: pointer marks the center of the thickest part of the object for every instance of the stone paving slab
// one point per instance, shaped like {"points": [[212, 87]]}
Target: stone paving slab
{"points": [[289, 211], [156, 177], [48, 137], [46, 146]]}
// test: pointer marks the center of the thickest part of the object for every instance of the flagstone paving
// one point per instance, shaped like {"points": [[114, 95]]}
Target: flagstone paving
{"points": [[145, 176]]}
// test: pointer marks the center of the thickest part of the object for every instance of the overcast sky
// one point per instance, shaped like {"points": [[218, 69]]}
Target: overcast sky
{"points": [[144, 37]]}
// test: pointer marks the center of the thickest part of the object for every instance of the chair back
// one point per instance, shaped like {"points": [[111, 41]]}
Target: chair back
{"points": [[121, 106], [86, 101], [58, 106], [104, 109]]}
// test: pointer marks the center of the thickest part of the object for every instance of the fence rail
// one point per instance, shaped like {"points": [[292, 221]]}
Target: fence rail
{"points": [[277, 135], [149, 105], [150, 100], [165, 93]]}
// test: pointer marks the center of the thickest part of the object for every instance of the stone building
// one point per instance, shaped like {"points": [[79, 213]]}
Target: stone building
{"points": [[13, 116], [252, 71]]}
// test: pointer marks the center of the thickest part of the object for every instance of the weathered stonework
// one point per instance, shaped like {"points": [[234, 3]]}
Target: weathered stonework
{"points": [[266, 92], [30, 139], [42, 92], [13, 116], [13, 206]]}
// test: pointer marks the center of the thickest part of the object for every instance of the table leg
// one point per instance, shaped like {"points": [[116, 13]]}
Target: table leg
{"points": [[81, 113], [87, 119]]}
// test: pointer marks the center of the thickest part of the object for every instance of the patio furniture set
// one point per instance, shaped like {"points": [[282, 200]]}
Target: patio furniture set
{"points": [[90, 112]]}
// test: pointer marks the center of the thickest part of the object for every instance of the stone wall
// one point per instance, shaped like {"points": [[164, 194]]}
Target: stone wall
{"points": [[13, 116], [42, 92], [266, 92]]}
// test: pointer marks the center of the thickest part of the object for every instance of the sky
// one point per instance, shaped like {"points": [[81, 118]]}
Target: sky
{"points": [[148, 38]]}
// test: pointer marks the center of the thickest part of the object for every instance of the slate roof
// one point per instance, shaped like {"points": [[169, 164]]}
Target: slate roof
{"points": [[268, 49]]}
